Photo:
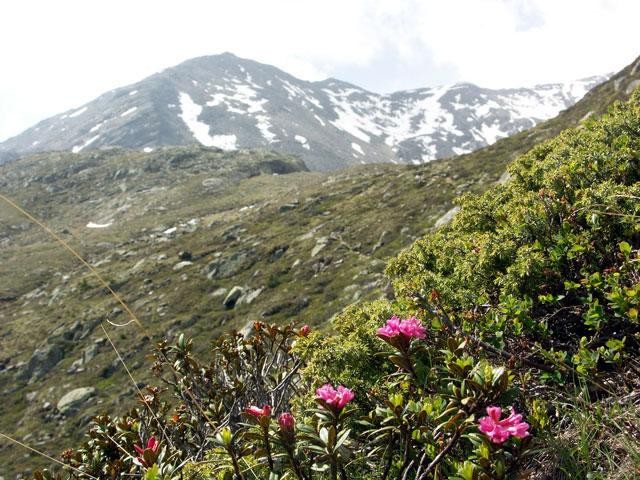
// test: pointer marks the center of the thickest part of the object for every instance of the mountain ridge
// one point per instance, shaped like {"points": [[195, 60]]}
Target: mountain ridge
{"points": [[228, 102]]}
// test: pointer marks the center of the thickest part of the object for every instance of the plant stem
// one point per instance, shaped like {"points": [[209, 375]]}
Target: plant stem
{"points": [[294, 463], [236, 467], [267, 447], [441, 455]]}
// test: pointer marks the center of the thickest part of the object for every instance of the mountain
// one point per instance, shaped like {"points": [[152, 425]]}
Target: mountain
{"points": [[229, 102]]}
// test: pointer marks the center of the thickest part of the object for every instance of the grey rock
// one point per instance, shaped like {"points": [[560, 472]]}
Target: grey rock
{"points": [[633, 84], [72, 400], [321, 243], [248, 297], [185, 255], [288, 206], [225, 267], [504, 178], [219, 292], [181, 265], [76, 366], [213, 182], [233, 296], [381, 241], [41, 362], [447, 217], [90, 352]]}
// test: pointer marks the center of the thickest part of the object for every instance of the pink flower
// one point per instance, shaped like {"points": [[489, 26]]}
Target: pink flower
{"points": [[391, 328], [304, 330], [412, 327], [398, 332], [286, 422], [265, 411], [335, 399], [498, 430]]}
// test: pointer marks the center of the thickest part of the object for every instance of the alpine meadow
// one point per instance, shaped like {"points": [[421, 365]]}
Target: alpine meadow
{"points": [[224, 272]]}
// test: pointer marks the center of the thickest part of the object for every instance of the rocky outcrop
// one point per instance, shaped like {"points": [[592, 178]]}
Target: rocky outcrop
{"points": [[42, 361]]}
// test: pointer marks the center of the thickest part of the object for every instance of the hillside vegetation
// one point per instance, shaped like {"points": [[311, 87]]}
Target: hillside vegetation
{"points": [[188, 226], [539, 275], [528, 299]]}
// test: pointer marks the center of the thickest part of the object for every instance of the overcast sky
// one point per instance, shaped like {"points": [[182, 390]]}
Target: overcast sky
{"points": [[59, 54]]}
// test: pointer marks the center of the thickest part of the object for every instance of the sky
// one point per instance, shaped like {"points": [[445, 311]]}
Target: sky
{"points": [[57, 55]]}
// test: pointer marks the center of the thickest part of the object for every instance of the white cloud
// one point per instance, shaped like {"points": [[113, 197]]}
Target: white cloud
{"points": [[486, 42], [58, 55]]}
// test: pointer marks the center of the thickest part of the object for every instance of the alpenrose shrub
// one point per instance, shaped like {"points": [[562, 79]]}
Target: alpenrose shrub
{"points": [[234, 420], [546, 265]]}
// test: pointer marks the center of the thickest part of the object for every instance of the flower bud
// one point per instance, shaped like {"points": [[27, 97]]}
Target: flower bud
{"points": [[304, 330], [286, 422]]}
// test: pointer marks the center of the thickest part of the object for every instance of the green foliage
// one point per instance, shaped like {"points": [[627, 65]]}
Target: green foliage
{"points": [[531, 291], [352, 356], [549, 260]]}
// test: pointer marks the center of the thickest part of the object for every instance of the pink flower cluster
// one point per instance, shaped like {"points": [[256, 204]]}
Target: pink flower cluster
{"points": [[498, 430], [333, 398], [399, 333]]}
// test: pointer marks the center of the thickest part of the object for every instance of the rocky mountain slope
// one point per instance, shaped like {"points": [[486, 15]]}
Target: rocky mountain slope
{"points": [[229, 102], [199, 240]]}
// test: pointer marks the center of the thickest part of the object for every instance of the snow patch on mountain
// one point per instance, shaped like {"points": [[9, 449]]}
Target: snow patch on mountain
{"points": [[225, 142], [78, 148], [357, 148], [189, 113], [243, 99], [78, 112], [353, 116], [302, 141], [128, 112]]}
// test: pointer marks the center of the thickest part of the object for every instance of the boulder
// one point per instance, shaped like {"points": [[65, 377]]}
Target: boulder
{"points": [[219, 292], [225, 267], [72, 400], [288, 206], [321, 243], [447, 217], [42, 360], [232, 297], [249, 296], [181, 265]]}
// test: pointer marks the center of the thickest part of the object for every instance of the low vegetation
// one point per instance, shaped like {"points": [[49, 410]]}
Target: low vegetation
{"points": [[510, 332]]}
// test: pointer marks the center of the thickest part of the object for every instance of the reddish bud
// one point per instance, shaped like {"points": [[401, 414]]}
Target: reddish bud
{"points": [[304, 330], [286, 422]]}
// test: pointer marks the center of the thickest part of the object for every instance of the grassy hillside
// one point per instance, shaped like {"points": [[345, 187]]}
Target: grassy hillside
{"points": [[184, 232], [187, 226]]}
